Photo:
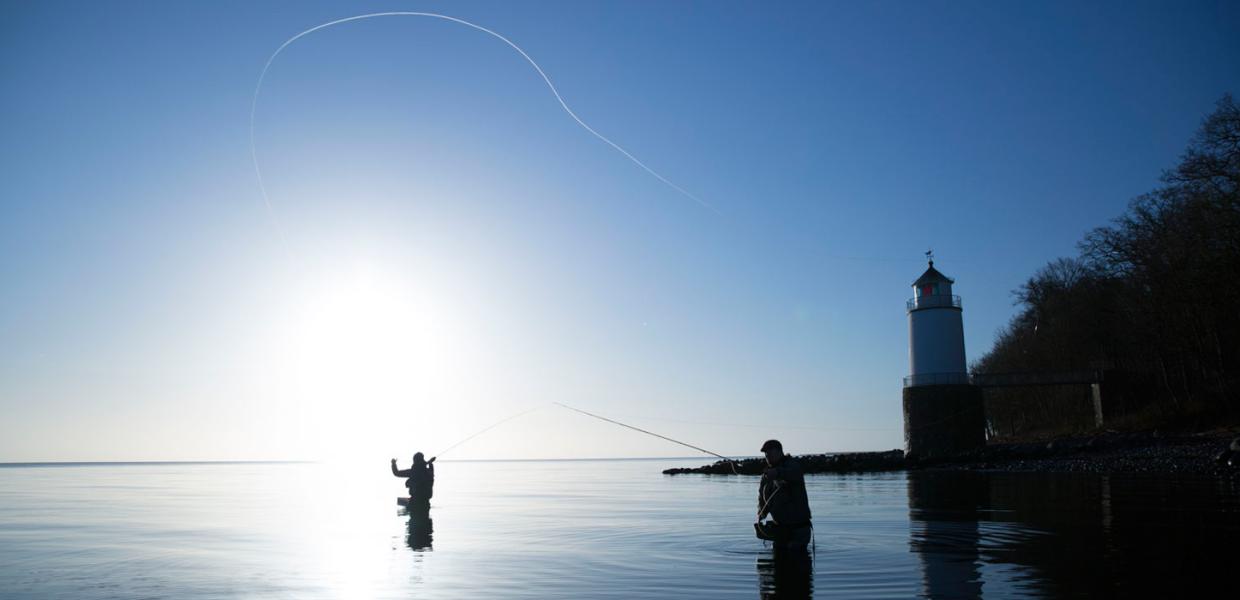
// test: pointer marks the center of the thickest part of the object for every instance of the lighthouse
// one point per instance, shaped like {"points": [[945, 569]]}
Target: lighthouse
{"points": [[943, 411]]}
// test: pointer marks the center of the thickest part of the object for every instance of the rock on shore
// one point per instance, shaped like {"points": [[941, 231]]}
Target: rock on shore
{"points": [[1109, 452], [1213, 453], [891, 460]]}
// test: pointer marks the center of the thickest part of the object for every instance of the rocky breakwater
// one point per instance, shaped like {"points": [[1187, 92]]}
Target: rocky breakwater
{"points": [[851, 462], [1213, 453]]}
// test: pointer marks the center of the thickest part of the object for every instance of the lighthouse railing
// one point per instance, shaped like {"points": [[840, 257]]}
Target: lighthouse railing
{"points": [[921, 379], [934, 301]]}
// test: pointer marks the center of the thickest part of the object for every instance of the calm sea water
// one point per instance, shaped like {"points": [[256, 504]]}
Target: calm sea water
{"points": [[600, 529]]}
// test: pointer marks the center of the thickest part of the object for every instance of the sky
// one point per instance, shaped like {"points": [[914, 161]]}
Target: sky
{"points": [[442, 247]]}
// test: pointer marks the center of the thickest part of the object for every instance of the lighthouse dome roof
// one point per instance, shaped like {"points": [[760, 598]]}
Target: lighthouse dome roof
{"points": [[932, 275]]}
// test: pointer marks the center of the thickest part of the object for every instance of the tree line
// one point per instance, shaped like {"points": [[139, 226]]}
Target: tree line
{"points": [[1151, 300]]}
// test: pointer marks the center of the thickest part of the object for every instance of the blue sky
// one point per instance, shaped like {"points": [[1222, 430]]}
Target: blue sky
{"points": [[456, 249]]}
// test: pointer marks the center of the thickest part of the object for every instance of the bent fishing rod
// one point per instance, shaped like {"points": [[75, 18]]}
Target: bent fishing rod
{"points": [[731, 462]]}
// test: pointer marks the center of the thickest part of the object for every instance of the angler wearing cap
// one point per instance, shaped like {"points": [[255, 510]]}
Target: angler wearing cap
{"points": [[781, 494]]}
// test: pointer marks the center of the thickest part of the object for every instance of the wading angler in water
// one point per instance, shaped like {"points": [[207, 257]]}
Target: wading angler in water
{"points": [[781, 495], [421, 481]]}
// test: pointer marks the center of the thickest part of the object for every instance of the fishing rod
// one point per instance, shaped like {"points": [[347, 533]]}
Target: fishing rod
{"points": [[765, 498], [492, 426], [730, 461]]}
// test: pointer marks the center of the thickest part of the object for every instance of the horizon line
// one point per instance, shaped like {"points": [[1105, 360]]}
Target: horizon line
{"points": [[84, 463]]}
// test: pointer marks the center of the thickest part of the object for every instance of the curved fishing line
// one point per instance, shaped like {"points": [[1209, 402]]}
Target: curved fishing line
{"points": [[488, 428], [546, 79], [730, 461], [766, 501], [263, 75]]}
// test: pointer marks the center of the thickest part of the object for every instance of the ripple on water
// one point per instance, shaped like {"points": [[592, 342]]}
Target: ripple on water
{"points": [[596, 530]]}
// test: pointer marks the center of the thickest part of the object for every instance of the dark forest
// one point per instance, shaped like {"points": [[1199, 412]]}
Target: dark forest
{"points": [[1151, 303]]}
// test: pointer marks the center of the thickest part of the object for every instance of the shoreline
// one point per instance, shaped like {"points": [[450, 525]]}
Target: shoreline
{"points": [[1214, 453]]}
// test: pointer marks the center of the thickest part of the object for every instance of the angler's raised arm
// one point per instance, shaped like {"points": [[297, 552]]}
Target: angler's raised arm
{"points": [[398, 473]]}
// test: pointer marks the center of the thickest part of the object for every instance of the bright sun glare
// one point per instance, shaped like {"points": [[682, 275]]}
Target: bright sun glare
{"points": [[363, 360]]}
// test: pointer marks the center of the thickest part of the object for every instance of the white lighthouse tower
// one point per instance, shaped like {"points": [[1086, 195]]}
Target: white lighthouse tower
{"points": [[943, 411], [935, 332]]}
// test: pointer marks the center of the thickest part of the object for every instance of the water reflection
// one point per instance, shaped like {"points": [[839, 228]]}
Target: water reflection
{"points": [[420, 528], [1055, 535], [786, 575], [607, 530], [944, 532]]}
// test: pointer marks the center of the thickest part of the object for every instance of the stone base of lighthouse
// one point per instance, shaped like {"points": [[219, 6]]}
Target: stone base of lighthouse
{"points": [[941, 420]]}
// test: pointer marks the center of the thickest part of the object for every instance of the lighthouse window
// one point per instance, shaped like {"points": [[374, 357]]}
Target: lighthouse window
{"points": [[928, 289]]}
